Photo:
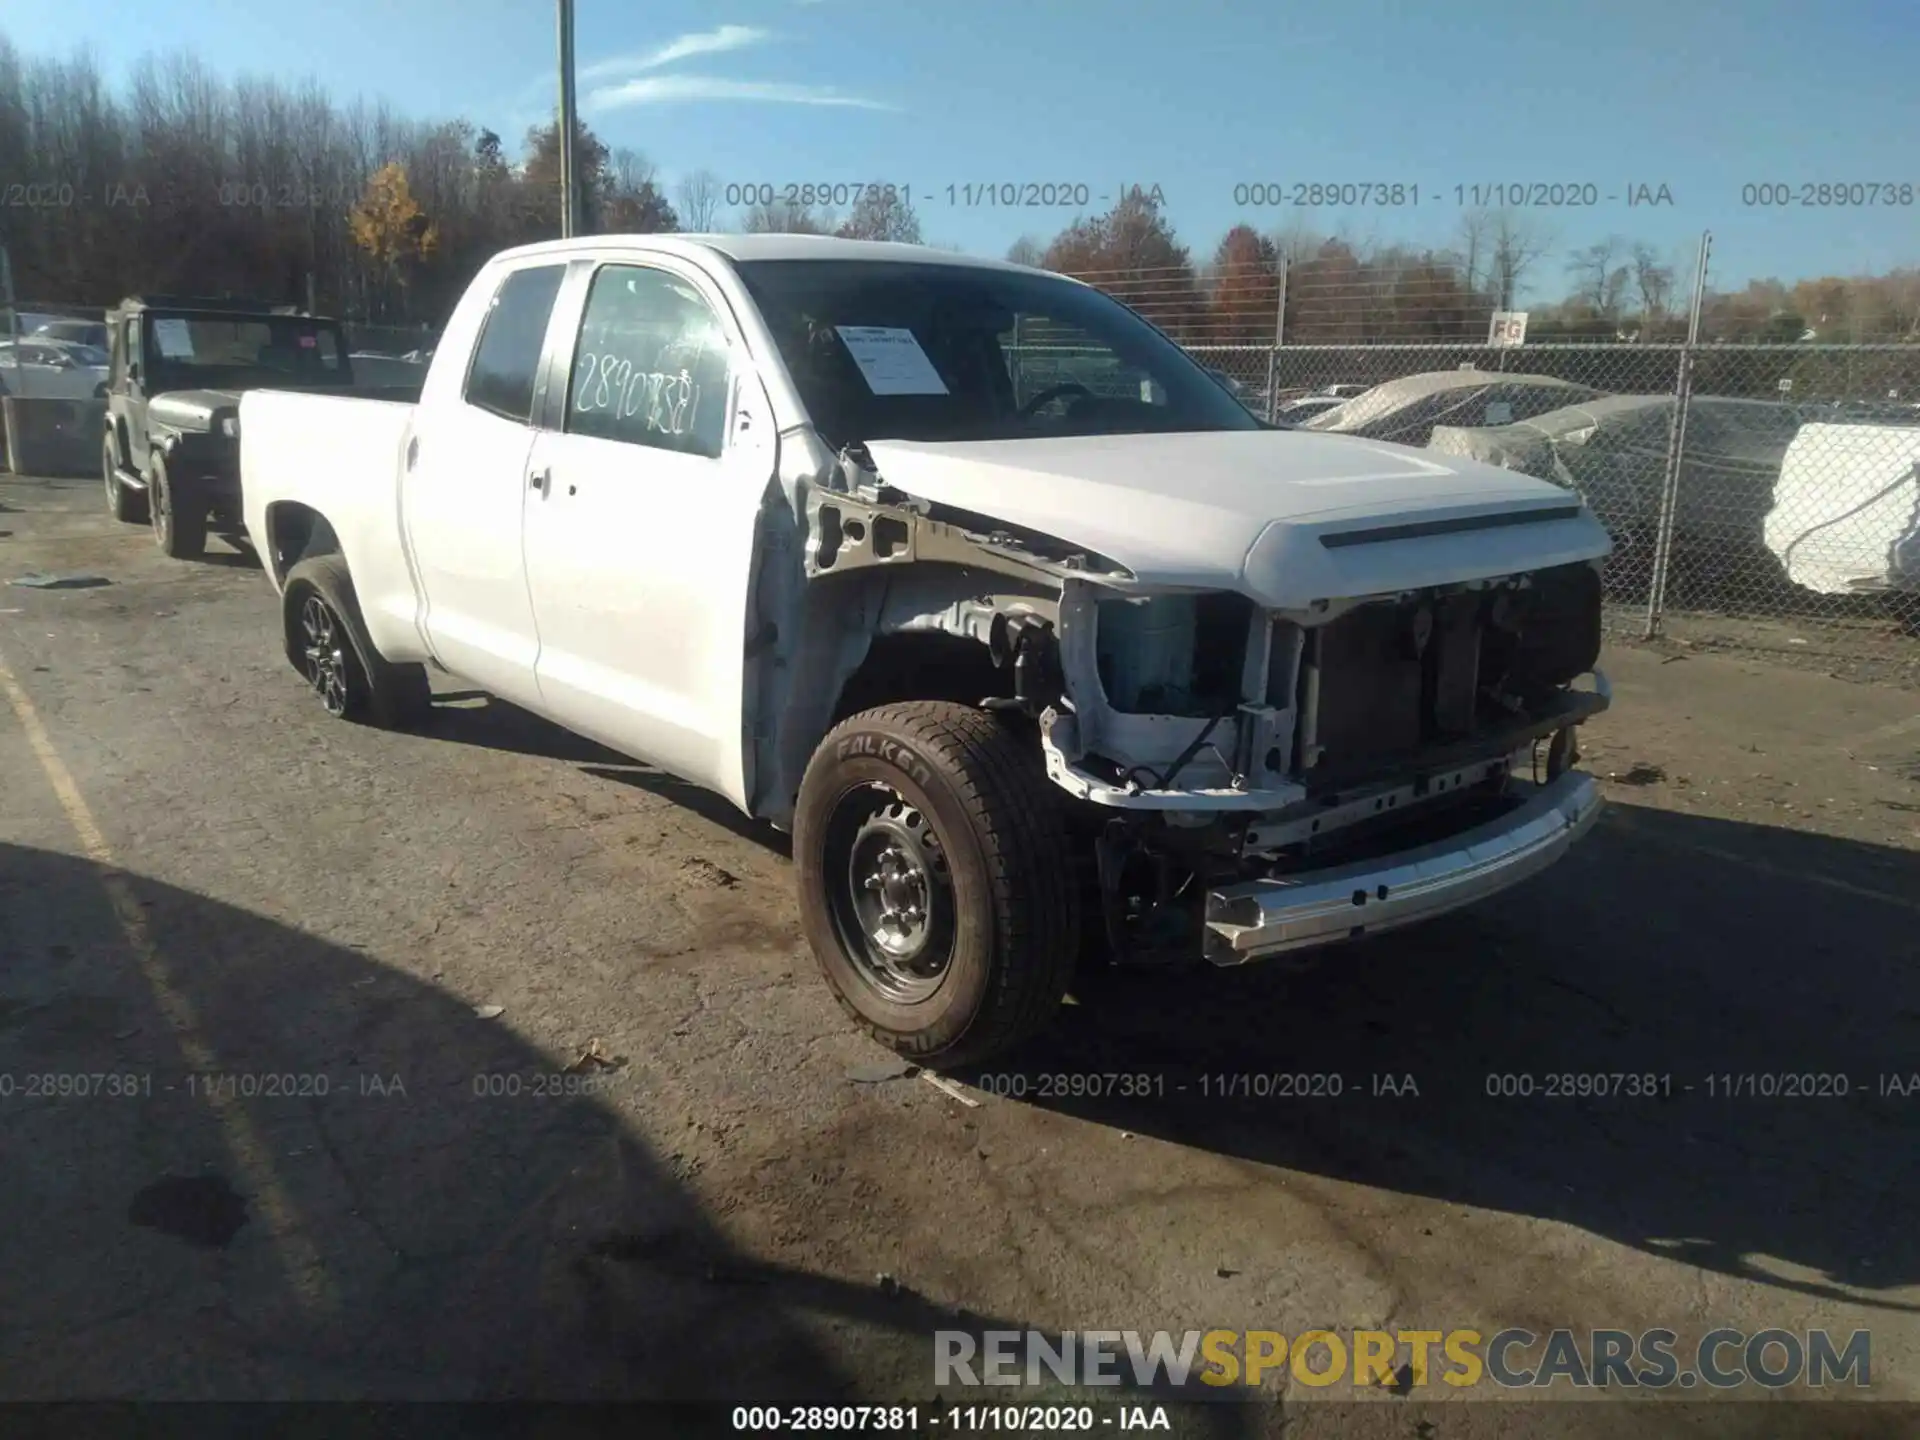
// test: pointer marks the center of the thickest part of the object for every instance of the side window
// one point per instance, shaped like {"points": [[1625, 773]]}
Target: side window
{"points": [[507, 360], [651, 367]]}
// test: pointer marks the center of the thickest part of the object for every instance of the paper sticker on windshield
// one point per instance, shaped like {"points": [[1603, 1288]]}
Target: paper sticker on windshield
{"points": [[1500, 412], [891, 360], [308, 342], [174, 339]]}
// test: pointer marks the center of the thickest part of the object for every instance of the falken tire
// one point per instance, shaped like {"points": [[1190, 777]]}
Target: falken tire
{"points": [[373, 690], [1012, 913], [129, 507]]}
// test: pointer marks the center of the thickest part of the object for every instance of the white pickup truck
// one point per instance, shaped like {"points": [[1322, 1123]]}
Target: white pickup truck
{"points": [[1041, 646]]}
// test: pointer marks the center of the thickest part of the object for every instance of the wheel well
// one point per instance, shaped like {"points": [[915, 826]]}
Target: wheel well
{"points": [[921, 665], [295, 531]]}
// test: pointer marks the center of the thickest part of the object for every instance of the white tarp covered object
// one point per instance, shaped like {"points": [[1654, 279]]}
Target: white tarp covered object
{"points": [[1612, 451], [1406, 410], [1846, 514]]}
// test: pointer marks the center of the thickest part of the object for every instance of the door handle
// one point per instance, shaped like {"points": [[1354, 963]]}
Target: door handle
{"points": [[540, 480]]}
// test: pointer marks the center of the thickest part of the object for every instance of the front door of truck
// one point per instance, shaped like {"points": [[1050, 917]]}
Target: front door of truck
{"points": [[462, 493], [641, 523]]}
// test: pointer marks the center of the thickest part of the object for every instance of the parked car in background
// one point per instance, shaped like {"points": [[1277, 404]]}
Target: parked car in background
{"points": [[1406, 410], [43, 369], [1846, 511], [1307, 407], [1014, 659], [74, 332], [1612, 452]]}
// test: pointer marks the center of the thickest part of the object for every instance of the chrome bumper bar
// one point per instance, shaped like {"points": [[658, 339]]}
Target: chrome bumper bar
{"points": [[1265, 917]]}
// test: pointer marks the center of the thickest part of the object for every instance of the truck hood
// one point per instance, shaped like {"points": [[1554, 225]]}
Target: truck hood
{"points": [[1286, 517], [191, 409]]}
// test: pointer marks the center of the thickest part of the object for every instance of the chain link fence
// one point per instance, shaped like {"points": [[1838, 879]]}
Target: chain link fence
{"points": [[1763, 498], [1759, 470]]}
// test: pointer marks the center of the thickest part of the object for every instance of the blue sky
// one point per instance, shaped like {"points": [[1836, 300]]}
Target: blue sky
{"points": [[1702, 96]]}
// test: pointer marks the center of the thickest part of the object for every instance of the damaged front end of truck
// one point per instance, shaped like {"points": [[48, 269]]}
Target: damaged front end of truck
{"points": [[1244, 777]]}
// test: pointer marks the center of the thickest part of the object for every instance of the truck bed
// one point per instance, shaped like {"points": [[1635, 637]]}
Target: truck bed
{"points": [[341, 455]]}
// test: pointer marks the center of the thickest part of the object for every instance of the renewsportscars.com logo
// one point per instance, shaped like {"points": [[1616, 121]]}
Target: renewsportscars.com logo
{"points": [[1512, 1359]]}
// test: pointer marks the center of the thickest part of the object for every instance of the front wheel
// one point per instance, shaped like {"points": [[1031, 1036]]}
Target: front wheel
{"points": [[179, 525], [328, 643], [936, 886]]}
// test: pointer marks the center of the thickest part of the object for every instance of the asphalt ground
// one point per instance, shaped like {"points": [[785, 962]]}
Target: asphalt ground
{"points": [[482, 1063]]}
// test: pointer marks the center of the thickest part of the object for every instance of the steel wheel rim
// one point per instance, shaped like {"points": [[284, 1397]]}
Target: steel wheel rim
{"points": [[890, 893], [326, 656]]}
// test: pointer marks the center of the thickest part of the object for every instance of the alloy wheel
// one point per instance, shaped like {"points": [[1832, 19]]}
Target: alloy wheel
{"points": [[324, 647]]}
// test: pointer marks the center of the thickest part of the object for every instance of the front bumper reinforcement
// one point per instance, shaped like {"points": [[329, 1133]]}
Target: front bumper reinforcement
{"points": [[1256, 918]]}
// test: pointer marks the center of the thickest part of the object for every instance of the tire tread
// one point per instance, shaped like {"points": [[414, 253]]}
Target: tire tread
{"points": [[1015, 815]]}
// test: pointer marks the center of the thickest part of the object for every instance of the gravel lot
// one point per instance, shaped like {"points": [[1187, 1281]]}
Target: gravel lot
{"points": [[201, 875]]}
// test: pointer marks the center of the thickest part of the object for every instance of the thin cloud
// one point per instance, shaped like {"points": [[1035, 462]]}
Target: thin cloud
{"points": [[669, 89], [682, 47]]}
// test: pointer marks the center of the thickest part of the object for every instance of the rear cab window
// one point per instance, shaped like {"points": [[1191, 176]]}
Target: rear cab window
{"points": [[506, 361]]}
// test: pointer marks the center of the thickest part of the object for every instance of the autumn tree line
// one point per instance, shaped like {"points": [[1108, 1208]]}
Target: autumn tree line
{"points": [[188, 183]]}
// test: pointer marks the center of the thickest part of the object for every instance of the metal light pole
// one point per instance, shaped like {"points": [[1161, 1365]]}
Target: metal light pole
{"points": [[568, 194]]}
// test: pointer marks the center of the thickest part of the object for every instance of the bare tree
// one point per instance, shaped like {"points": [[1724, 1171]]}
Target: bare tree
{"points": [[699, 201], [1474, 247], [1518, 241], [1024, 251], [1600, 276], [777, 217], [1654, 284], [882, 213]]}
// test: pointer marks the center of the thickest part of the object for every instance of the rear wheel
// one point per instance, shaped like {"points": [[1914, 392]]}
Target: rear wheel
{"points": [[127, 506], [179, 525], [328, 643], [936, 887]]}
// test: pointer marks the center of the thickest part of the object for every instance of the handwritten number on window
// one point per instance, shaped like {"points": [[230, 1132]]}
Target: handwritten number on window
{"points": [[610, 383]]}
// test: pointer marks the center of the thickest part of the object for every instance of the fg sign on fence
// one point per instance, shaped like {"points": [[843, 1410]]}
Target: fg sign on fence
{"points": [[1507, 329]]}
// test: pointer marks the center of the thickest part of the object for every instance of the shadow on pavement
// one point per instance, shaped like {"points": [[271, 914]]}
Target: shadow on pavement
{"points": [[260, 1166], [472, 717], [1695, 951]]}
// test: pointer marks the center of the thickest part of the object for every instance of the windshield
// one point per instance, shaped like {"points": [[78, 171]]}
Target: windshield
{"points": [[889, 351], [193, 351]]}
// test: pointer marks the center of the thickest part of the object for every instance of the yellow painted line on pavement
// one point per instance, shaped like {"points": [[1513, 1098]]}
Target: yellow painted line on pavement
{"points": [[307, 1277]]}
